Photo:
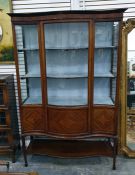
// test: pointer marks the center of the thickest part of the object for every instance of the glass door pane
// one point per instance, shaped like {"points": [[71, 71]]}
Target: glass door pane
{"points": [[1, 97], [66, 47], [29, 65], [2, 118], [105, 62]]}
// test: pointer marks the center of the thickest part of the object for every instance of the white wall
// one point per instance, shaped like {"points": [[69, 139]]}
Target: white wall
{"points": [[28, 6]]}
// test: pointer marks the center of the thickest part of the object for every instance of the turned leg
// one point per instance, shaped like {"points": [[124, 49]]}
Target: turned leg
{"points": [[13, 154], [31, 138], [24, 150], [114, 153], [7, 166]]}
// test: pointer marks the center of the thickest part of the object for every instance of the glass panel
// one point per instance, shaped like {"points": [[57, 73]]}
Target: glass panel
{"points": [[102, 94], [33, 91], [106, 34], [4, 138], [105, 62], [67, 63], [1, 97], [29, 65], [66, 35], [65, 92], [2, 118]]}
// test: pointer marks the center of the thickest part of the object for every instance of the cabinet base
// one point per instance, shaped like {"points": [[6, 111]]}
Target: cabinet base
{"points": [[70, 148], [66, 148]]}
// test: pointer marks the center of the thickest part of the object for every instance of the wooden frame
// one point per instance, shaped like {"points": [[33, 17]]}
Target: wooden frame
{"points": [[128, 26]]}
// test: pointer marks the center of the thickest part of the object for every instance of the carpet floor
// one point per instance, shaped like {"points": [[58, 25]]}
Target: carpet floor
{"points": [[45, 165]]}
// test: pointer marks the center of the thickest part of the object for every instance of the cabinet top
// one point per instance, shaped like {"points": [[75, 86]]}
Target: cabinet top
{"points": [[114, 13]]}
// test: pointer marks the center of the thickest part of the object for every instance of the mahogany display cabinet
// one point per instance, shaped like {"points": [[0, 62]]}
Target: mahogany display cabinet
{"points": [[9, 130], [68, 72]]}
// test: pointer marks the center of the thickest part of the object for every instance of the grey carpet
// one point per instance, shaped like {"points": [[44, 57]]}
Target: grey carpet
{"points": [[45, 165]]}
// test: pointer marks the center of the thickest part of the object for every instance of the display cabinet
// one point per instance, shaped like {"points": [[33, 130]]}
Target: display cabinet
{"points": [[9, 131], [68, 71]]}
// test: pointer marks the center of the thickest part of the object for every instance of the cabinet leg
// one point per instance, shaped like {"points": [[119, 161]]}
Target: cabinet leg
{"points": [[114, 153], [7, 166], [13, 155], [31, 138], [24, 150]]}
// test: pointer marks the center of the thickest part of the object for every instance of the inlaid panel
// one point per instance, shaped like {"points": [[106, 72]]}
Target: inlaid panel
{"points": [[67, 121], [103, 120], [32, 119]]}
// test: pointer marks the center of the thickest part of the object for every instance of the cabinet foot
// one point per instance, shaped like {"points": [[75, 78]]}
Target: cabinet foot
{"points": [[24, 151], [114, 153], [13, 155], [26, 164]]}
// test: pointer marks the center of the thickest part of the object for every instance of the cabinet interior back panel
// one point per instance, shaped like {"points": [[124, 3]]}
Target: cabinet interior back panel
{"points": [[102, 91], [68, 92], [66, 35], [67, 63]]}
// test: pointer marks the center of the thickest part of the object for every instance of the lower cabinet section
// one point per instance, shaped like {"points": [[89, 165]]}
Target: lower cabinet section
{"points": [[67, 121], [66, 132], [70, 148], [41, 145]]}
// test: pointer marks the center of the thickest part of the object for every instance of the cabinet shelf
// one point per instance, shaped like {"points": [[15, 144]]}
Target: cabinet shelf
{"points": [[103, 100], [65, 71], [64, 148], [4, 128], [33, 100], [27, 49], [105, 47], [3, 108], [67, 75], [104, 75], [30, 76], [65, 48]]}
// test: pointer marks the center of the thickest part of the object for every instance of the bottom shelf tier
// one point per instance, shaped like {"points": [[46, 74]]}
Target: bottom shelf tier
{"points": [[33, 100], [103, 100], [66, 148]]}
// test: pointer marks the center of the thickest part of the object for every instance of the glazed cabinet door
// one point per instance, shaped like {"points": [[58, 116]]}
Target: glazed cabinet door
{"points": [[66, 48], [105, 77], [28, 54]]}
